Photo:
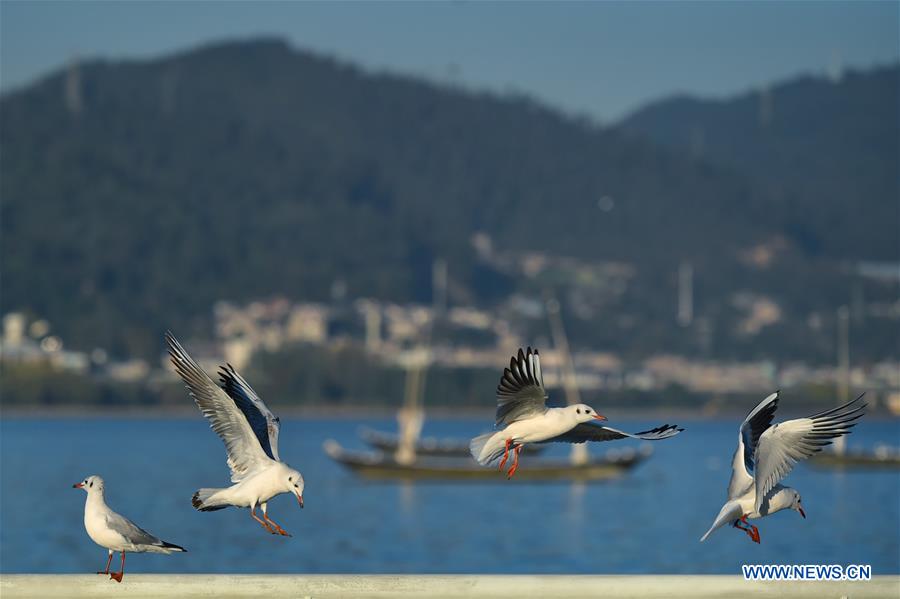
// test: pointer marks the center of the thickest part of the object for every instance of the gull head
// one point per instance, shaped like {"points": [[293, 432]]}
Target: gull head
{"points": [[795, 503], [92, 484], [294, 484], [584, 413]]}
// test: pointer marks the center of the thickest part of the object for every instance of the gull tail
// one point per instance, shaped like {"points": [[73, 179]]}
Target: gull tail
{"points": [[483, 450], [205, 500], [709, 532], [172, 547], [730, 512]]}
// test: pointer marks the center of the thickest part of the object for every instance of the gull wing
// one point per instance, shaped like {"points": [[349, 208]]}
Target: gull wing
{"points": [[136, 535], [757, 421], [521, 393], [265, 425], [588, 431], [130, 531], [245, 454], [783, 445]]}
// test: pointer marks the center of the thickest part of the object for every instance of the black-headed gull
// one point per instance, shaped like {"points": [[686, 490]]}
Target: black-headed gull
{"points": [[250, 433], [523, 413], [116, 532], [765, 454]]}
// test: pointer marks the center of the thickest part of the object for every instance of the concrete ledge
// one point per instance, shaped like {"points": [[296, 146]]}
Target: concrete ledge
{"points": [[380, 586]]}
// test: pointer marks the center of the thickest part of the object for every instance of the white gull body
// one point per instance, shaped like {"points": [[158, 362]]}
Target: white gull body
{"points": [[250, 433], [523, 414], [765, 454], [114, 531]]}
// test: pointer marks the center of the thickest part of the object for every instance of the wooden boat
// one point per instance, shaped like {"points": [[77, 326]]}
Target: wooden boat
{"points": [[427, 446], [882, 457], [376, 465], [839, 456], [407, 457]]}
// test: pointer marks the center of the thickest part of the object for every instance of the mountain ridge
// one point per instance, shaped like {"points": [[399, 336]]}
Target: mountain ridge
{"points": [[247, 169], [814, 142]]}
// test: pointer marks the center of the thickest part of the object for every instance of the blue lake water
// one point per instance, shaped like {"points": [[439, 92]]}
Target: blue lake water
{"points": [[649, 521]]}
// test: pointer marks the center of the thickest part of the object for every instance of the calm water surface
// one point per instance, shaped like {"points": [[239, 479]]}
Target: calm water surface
{"points": [[649, 521]]}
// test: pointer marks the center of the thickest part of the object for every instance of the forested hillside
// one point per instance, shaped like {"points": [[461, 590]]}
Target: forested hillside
{"points": [[827, 149], [137, 193]]}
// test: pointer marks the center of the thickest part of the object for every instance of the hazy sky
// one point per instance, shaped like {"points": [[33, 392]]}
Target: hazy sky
{"points": [[596, 58]]}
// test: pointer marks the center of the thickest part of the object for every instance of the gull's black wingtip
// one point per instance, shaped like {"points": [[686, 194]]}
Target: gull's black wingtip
{"points": [[173, 547], [524, 352], [171, 342]]}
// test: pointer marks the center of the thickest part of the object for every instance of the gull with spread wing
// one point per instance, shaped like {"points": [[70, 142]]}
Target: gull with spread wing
{"points": [[250, 433], [114, 531], [767, 453], [523, 413]]}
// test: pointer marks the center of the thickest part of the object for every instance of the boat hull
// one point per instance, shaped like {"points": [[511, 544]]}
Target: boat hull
{"points": [[378, 466], [830, 459], [427, 446]]}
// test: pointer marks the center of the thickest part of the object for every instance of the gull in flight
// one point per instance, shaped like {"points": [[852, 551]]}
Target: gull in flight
{"points": [[523, 413], [767, 453], [250, 433], [115, 532]]}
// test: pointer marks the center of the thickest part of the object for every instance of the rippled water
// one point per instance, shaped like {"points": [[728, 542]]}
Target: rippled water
{"points": [[646, 522]]}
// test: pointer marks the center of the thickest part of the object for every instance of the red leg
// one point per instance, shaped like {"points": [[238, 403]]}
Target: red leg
{"points": [[108, 561], [515, 465], [505, 454], [751, 530], [255, 517], [275, 525], [117, 576], [754, 534]]}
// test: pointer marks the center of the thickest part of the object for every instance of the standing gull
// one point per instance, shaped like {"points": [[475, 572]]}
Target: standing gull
{"points": [[250, 433], [765, 454], [523, 413], [115, 532]]}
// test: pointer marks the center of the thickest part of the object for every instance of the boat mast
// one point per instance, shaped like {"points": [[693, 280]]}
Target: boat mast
{"points": [[579, 453], [843, 383], [411, 416]]}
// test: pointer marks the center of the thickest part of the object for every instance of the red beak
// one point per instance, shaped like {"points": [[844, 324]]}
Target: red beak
{"points": [[77, 485], [300, 500], [802, 513], [599, 417]]}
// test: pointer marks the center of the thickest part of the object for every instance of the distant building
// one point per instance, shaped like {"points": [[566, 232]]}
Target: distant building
{"points": [[307, 323], [129, 371], [13, 329], [16, 346]]}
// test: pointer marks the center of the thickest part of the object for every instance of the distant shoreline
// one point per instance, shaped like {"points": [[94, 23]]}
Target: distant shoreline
{"points": [[324, 412]]}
